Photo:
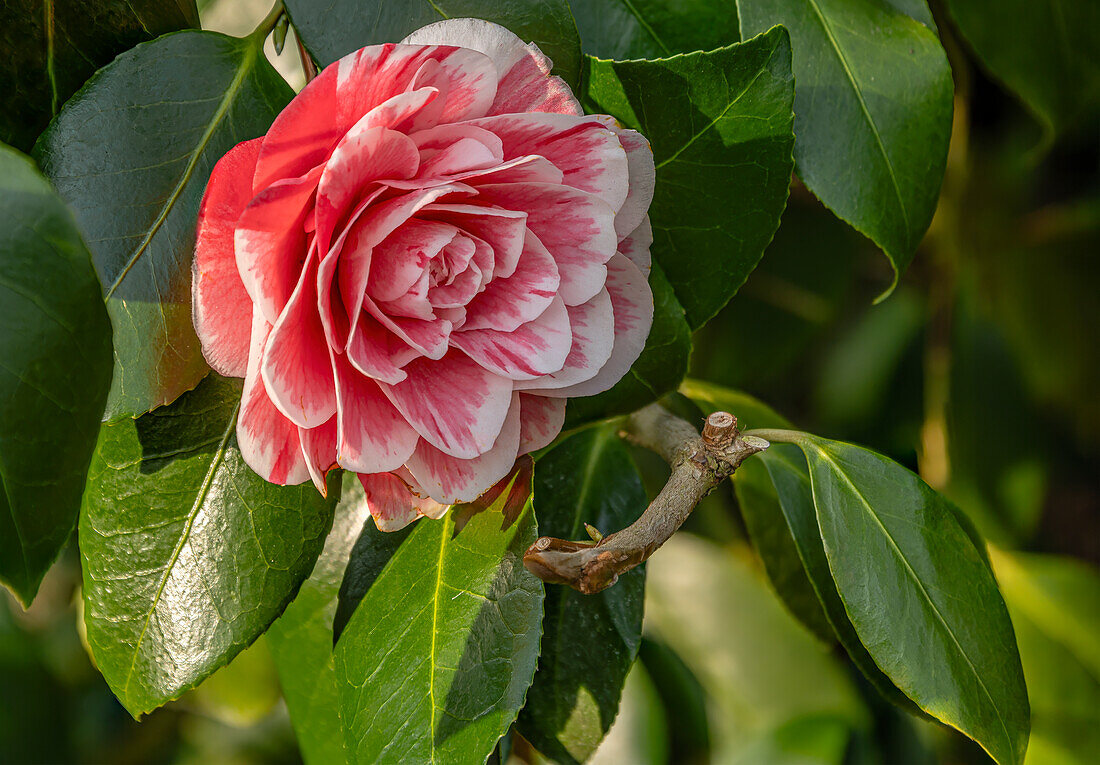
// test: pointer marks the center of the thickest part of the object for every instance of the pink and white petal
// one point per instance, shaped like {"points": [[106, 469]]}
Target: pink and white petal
{"points": [[376, 353], [453, 403], [588, 154], [593, 328], [271, 243], [636, 246], [525, 81], [390, 501], [363, 156], [372, 436], [221, 307], [643, 177], [632, 301], [428, 337], [505, 231], [507, 303], [533, 350], [450, 480], [296, 367], [307, 130], [541, 419], [402, 258], [577, 228], [319, 448], [268, 441]]}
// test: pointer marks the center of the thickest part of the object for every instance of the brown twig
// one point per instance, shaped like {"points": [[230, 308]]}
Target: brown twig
{"points": [[699, 463]]}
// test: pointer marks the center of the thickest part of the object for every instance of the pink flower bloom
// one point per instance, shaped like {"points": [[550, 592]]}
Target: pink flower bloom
{"points": [[429, 252]]}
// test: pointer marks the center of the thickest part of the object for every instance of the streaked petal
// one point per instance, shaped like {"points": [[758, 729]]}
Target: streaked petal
{"points": [[503, 230], [392, 503], [509, 302], [593, 328], [453, 403], [534, 349], [221, 307], [319, 448], [636, 246], [540, 419], [372, 435]]}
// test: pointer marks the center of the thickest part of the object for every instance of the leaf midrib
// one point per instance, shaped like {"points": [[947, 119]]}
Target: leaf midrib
{"points": [[920, 586], [646, 26], [200, 499], [243, 69], [866, 112], [435, 631]]}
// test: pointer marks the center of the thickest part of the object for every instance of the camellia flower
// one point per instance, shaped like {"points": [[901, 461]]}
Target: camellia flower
{"points": [[429, 252]]}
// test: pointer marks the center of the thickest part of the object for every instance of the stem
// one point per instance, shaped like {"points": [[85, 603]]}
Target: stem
{"points": [[699, 463], [263, 29]]}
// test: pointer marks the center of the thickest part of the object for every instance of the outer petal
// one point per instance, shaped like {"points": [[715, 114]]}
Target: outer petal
{"points": [[632, 300], [449, 480], [636, 246], [296, 368], [536, 348], [540, 420], [392, 503], [525, 81], [268, 441], [373, 437], [509, 302], [319, 448], [221, 308], [643, 179], [271, 243], [593, 328], [577, 228], [453, 403], [307, 130], [583, 148]]}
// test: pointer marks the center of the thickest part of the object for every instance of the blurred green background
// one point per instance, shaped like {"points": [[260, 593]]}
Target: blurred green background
{"points": [[980, 372]]}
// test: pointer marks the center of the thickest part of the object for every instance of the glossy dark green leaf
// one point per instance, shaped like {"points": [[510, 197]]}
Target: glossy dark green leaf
{"points": [[131, 153], [188, 555], [684, 699], [660, 368], [625, 29], [720, 124], [55, 370], [334, 29], [873, 112], [301, 639], [1047, 53], [434, 663], [1055, 607], [51, 48], [919, 594], [786, 467], [589, 641]]}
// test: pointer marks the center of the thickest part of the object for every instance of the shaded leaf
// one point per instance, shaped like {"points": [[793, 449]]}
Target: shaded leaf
{"points": [[720, 124], [51, 48], [55, 370], [1057, 72], [625, 29], [131, 153], [684, 701], [873, 112], [919, 594], [589, 641], [658, 370], [188, 555], [435, 661], [340, 27], [301, 639], [640, 734]]}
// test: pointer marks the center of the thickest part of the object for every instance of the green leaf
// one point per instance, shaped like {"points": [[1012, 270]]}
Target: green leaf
{"points": [[640, 733], [188, 555], [435, 661], [720, 124], [337, 28], [873, 112], [302, 643], [1057, 72], [55, 370], [750, 412], [919, 594], [658, 370], [1055, 607], [51, 48], [131, 153], [625, 29], [761, 670], [589, 641]]}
